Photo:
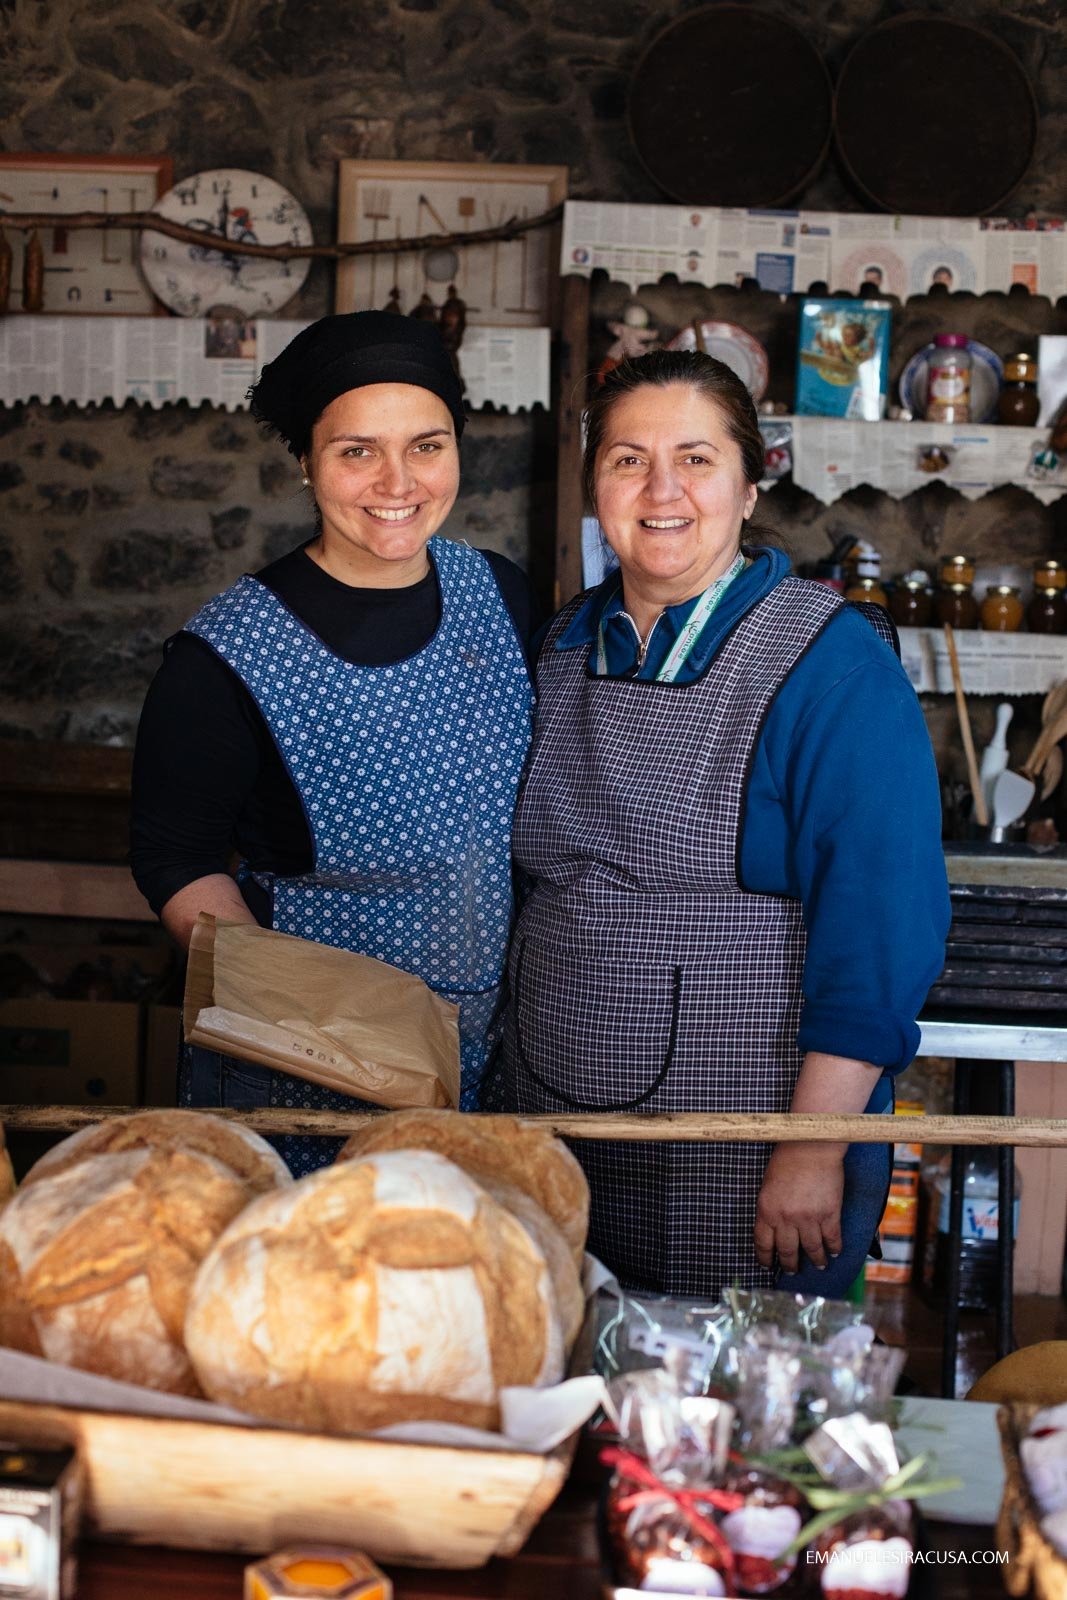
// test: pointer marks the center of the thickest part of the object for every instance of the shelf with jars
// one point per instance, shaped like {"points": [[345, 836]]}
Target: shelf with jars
{"points": [[830, 456]]}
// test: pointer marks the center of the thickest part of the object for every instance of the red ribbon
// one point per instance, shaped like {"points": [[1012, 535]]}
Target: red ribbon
{"points": [[631, 1469]]}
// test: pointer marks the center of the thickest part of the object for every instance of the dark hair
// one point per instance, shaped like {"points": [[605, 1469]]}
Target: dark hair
{"points": [[658, 369]]}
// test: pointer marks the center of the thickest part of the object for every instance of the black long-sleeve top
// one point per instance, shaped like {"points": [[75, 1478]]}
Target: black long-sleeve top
{"points": [[208, 779]]}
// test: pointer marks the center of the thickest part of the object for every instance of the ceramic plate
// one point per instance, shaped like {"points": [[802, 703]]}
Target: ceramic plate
{"points": [[735, 346], [987, 375]]}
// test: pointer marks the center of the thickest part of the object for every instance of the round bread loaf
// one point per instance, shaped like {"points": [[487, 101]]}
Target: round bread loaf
{"points": [[7, 1175], [504, 1148], [96, 1262], [254, 1161], [383, 1290], [566, 1284]]}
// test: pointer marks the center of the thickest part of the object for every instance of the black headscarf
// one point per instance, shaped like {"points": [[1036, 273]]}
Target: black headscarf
{"points": [[345, 352]]}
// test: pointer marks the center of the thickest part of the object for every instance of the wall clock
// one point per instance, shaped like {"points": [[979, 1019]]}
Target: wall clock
{"points": [[244, 206], [86, 270]]}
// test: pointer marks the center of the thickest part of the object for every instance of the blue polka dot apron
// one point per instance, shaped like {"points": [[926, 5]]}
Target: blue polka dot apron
{"points": [[644, 977], [407, 775]]}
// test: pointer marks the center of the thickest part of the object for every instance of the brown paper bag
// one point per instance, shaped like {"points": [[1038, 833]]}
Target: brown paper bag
{"points": [[348, 1022]]}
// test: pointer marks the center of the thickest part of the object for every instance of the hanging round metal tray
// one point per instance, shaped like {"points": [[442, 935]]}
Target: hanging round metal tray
{"points": [[934, 116], [730, 106]]}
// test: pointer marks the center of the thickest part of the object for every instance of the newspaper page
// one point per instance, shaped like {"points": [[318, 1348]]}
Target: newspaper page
{"points": [[1033, 253], [638, 244], [158, 360], [990, 663], [832, 456], [787, 251], [507, 367], [784, 251]]}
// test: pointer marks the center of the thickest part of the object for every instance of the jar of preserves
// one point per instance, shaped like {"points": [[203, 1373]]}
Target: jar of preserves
{"points": [[957, 569], [957, 606], [1002, 609], [948, 384], [1050, 575], [1018, 404], [830, 573], [911, 604], [869, 589], [1047, 611]]}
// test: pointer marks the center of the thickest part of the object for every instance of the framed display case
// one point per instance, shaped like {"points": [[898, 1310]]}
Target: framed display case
{"points": [[505, 282], [94, 271]]}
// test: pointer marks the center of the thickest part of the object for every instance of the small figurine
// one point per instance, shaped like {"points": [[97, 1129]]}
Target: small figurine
{"points": [[634, 334], [425, 311], [453, 323], [394, 305]]}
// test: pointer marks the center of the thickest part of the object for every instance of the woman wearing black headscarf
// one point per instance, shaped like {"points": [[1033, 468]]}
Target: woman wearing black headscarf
{"points": [[353, 719]]}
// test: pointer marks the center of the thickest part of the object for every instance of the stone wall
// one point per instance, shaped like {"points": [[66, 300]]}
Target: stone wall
{"points": [[115, 525]]}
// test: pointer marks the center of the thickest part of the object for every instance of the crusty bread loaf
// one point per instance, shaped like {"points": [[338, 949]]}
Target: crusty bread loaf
{"points": [[566, 1283], [7, 1175], [503, 1148], [96, 1262], [254, 1161], [382, 1290]]}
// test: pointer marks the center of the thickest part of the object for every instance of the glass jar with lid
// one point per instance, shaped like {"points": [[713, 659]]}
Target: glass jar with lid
{"points": [[1017, 403], [868, 589], [1047, 611], [948, 383], [1050, 575], [957, 569], [911, 604], [957, 606], [1002, 609]]}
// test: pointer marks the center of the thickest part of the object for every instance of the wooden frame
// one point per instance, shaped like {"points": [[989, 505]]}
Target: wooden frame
{"points": [[509, 284], [88, 272]]}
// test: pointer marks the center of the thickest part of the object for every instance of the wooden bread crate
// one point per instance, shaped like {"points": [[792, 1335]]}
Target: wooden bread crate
{"points": [[1033, 1565], [221, 1486]]}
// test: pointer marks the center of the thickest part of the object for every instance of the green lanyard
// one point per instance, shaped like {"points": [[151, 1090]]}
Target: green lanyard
{"points": [[682, 648]]}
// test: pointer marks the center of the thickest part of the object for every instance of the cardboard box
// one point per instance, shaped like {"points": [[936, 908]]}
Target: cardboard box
{"points": [[85, 1051]]}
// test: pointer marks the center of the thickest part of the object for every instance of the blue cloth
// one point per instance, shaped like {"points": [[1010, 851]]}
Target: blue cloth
{"points": [[828, 818], [408, 775], [867, 1171]]}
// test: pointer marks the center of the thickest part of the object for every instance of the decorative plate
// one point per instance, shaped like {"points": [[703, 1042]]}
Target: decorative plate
{"points": [[987, 375], [735, 346]]}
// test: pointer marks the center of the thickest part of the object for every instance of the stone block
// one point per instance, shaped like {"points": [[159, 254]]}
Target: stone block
{"points": [[228, 528], [60, 573], [227, 437], [79, 454], [357, 138], [173, 479], [281, 537], [78, 658], [63, 501], [109, 497], [10, 568], [11, 475], [127, 50], [146, 563], [279, 475]]}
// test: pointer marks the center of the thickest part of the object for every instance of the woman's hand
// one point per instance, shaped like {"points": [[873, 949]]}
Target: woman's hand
{"points": [[799, 1206]]}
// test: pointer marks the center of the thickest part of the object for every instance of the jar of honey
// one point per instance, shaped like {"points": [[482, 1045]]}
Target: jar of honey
{"points": [[1050, 575], [957, 569], [869, 589], [1002, 609], [1017, 403], [1047, 611], [957, 606], [911, 604]]}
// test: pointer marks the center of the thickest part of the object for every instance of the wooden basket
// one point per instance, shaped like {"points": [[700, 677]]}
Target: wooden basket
{"points": [[1033, 1564], [219, 1486]]}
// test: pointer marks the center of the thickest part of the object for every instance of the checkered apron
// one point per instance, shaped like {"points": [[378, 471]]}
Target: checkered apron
{"points": [[643, 976], [408, 775]]}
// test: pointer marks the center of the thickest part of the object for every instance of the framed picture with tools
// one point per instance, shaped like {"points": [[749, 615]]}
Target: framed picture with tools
{"points": [[507, 282], [95, 271]]}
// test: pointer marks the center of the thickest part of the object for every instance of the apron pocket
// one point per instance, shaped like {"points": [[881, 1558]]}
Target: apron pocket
{"points": [[595, 1037]]}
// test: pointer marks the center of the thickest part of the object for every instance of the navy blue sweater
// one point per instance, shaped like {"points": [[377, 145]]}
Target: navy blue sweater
{"points": [[842, 813]]}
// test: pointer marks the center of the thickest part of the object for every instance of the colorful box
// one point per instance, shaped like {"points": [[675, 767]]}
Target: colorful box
{"points": [[843, 359], [311, 1572]]}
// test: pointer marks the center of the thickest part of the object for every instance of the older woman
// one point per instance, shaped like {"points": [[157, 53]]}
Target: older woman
{"points": [[731, 826], [353, 719]]}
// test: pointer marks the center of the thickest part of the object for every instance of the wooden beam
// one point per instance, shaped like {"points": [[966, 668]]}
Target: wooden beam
{"points": [[693, 1126], [571, 391], [71, 889]]}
